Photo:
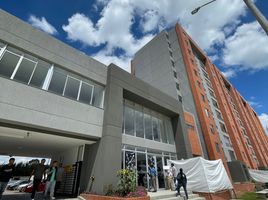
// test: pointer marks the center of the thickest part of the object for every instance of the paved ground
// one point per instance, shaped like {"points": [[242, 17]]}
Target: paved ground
{"points": [[14, 195]]}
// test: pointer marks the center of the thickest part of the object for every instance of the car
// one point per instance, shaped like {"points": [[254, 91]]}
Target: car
{"points": [[41, 188], [22, 187], [11, 181], [16, 184]]}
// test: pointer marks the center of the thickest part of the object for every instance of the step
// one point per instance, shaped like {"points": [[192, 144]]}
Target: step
{"points": [[158, 196], [182, 198]]}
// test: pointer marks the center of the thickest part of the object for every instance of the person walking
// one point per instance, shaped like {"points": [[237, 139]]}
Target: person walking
{"points": [[169, 178], [182, 182], [152, 174], [173, 170], [59, 176], [6, 172], [141, 176], [51, 179], [38, 173]]}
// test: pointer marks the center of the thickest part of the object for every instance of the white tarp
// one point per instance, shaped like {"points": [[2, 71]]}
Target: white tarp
{"points": [[260, 176], [204, 175]]}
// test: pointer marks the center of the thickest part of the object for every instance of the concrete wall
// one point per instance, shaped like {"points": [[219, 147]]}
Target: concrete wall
{"points": [[34, 108], [69, 156], [106, 160], [152, 64], [187, 96], [26, 106]]}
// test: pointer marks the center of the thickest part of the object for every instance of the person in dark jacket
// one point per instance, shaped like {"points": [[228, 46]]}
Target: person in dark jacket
{"points": [[6, 172], [51, 179], [38, 173], [182, 182]]}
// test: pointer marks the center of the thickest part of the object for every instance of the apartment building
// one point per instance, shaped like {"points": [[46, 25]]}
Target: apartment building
{"points": [[226, 127]]}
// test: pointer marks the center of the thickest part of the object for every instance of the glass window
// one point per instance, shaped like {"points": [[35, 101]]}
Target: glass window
{"points": [[212, 129], [57, 82], [175, 74], [169, 131], [207, 112], [163, 132], [203, 97], [129, 120], [85, 93], [139, 124], [72, 88], [177, 86], [141, 169], [223, 128], [98, 96], [8, 64], [156, 129], [148, 127], [40, 74], [1, 45], [130, 160], [217, 147], [25, 70]]}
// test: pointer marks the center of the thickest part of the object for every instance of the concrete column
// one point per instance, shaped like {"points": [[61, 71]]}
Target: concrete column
{"points": [[105, 156]]}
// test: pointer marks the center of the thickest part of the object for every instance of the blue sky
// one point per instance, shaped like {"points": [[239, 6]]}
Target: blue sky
{"points": [[113, 30]]}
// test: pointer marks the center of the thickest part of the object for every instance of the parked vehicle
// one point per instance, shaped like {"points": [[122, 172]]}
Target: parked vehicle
{"points": [[22, 187], [16, 184], [29, 187], [11, 182]]}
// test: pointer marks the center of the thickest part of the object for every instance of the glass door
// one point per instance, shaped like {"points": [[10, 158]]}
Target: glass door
{"points": [[141, 170], [160, 172]]}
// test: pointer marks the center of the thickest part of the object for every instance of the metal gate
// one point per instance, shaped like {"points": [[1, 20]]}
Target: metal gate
{"points": [[70, 180]]}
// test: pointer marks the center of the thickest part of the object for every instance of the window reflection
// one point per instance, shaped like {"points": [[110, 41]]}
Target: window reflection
{"points": [[27, 69], [145, 123]]}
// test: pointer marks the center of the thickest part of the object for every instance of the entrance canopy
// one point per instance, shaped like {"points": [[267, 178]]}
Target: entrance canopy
{"points": [[204, 175], [17, 142], [260, 176]]}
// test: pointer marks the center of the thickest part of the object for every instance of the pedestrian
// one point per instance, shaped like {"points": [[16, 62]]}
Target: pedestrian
{"points": [[152, 174], [51, 179], [169, 178], [174, 172], [140, 177], [182, 182], [59, 176], [38, 173], [6, 172]]}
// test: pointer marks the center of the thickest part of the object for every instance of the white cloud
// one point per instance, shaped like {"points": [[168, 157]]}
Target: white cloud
{"points": [[114, 27], [247, 48], [255, 104], [121, 61], [42, 24], [229, 73], [264, 120], [205, 26]]}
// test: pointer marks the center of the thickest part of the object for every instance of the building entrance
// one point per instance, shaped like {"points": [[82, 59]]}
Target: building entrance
{"points": [[140, 159]]}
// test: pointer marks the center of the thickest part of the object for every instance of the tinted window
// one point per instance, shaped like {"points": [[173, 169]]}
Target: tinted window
{"points": [[8, 64], [72, 88]]}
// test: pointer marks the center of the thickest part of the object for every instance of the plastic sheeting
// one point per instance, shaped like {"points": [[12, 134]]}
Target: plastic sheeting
{"points": [[260, 176], [204, 175]]}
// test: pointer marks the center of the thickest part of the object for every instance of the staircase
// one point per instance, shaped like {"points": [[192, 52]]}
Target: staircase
{"points": [[171, 195]]}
